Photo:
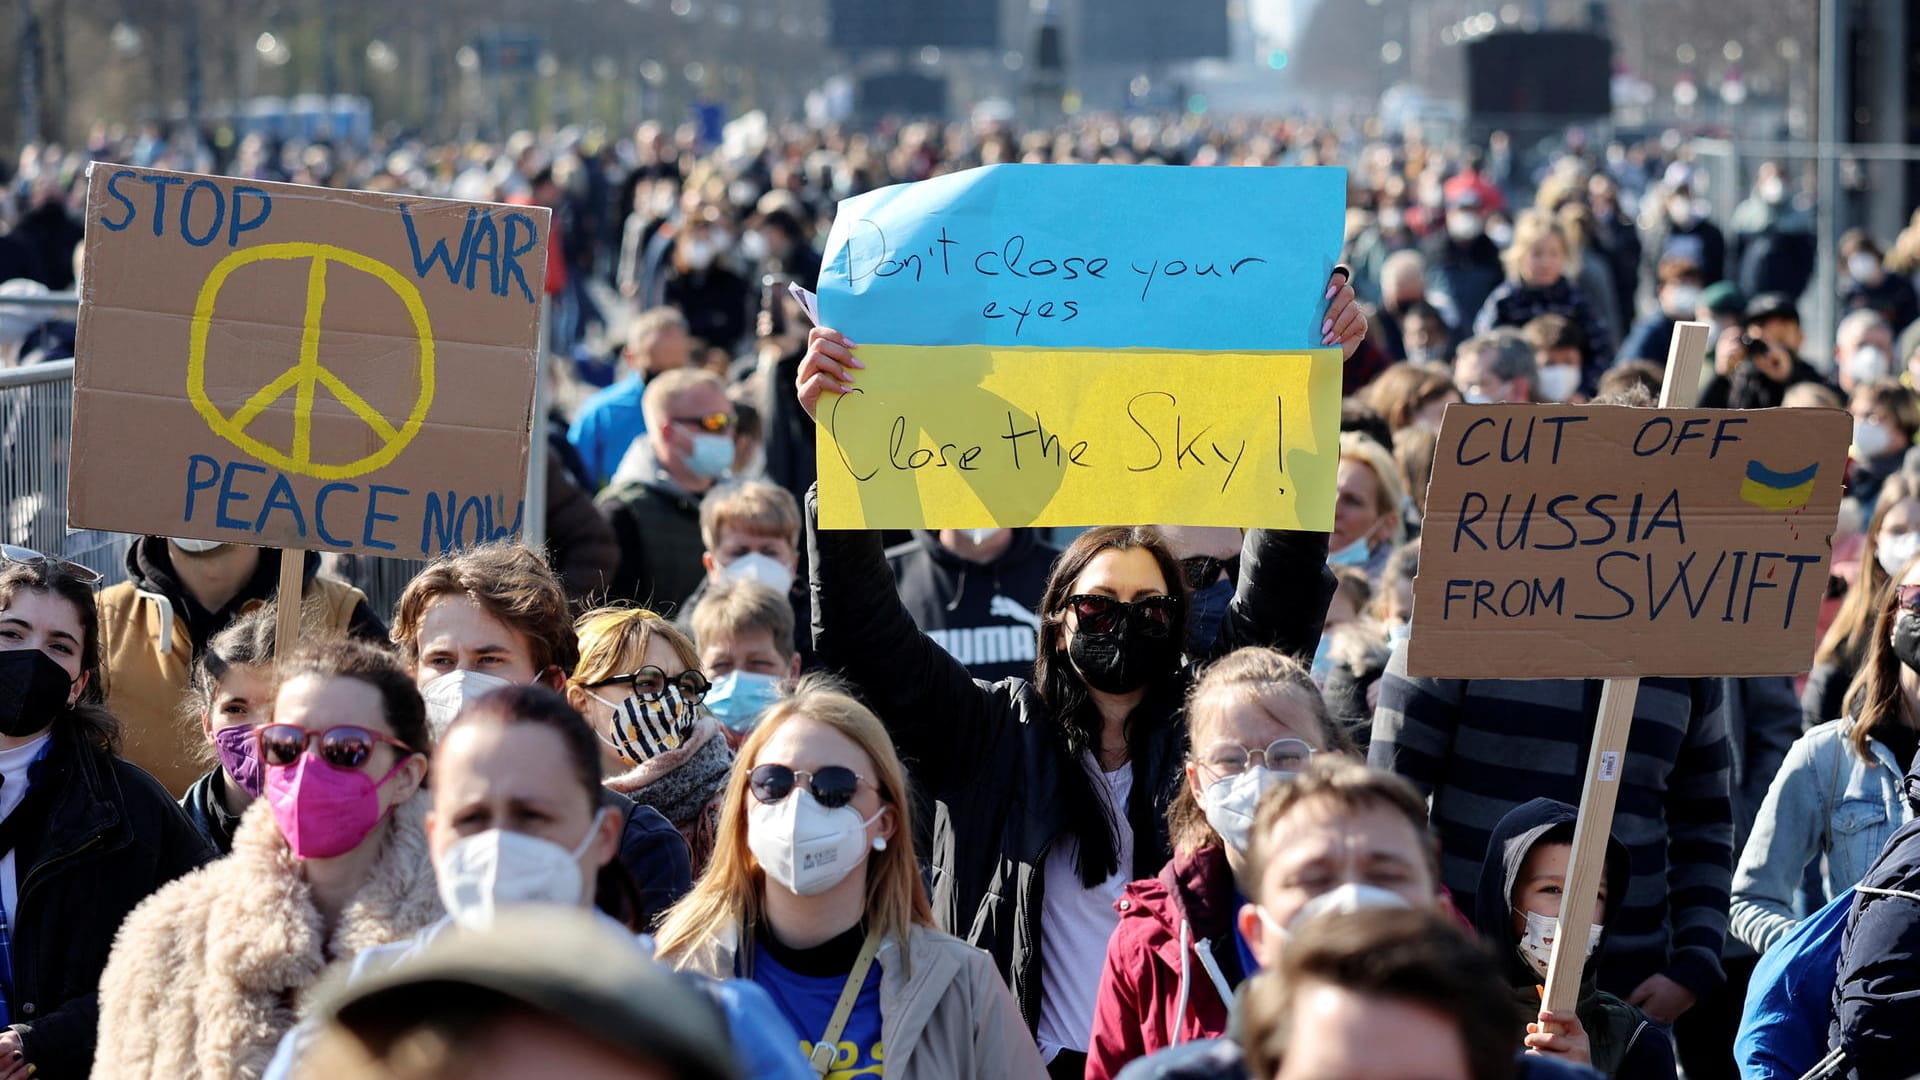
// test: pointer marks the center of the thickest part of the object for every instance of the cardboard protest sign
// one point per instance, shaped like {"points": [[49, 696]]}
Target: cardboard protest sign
{"points": [[301, 367], [1082, 345], [1604, 541]]}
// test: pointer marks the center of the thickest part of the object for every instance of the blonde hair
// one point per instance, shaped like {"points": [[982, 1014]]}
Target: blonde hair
{"points": [[752, 506], [1390, 490], [1401, 391], [667, 385], [731, 893], [731, 608], [1251, 676], [608, 635], [1531, 227]]}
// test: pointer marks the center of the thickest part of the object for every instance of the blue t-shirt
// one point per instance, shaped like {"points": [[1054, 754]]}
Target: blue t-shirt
{"points": [[807, 1002], [1249, 964], [608, 423]]}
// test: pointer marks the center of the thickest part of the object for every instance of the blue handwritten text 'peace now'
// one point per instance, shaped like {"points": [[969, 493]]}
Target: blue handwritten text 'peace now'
{"points": [[256, 500]]}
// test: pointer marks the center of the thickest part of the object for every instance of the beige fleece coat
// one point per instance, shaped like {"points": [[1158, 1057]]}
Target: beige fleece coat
{"points": [[946, 1016], [208, 973]]}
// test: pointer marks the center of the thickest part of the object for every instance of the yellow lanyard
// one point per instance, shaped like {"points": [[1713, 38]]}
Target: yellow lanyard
{"points": [[826, 1051]]}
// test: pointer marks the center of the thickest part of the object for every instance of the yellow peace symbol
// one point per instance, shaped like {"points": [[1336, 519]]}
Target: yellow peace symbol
{"points": [[309, 373]]}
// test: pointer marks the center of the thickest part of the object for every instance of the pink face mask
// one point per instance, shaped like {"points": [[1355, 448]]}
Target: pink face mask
{"points": [[323, 810]]}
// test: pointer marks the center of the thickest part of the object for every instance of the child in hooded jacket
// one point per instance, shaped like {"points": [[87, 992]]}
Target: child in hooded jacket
{"points": [[1517, 914]]}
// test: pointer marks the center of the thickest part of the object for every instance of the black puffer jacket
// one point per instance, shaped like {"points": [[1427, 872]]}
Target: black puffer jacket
{"points": [[992, 757], [1876, 997], [111, 836]]}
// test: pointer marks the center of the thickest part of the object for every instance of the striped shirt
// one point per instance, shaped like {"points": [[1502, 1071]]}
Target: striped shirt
{"points": [[1479, 748]]}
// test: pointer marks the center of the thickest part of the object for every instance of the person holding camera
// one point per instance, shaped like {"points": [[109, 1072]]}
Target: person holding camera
{"points": [[1754, 368]]}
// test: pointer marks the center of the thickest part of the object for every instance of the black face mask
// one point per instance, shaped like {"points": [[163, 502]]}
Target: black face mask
{"points": [[33, 691], [1123, 661], [1906, 640]]}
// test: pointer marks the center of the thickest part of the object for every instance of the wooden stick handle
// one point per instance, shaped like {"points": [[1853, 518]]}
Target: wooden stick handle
{"points": [[293, 566]]}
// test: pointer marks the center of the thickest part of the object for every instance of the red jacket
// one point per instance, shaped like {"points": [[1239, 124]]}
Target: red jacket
{"points": [[1174, 944]]}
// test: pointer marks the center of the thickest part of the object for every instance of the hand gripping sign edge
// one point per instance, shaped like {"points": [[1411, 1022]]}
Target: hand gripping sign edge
{"points": [[303, 377]]}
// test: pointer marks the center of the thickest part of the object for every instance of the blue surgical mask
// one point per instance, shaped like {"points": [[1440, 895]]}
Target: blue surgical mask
{"points": [[1206, 608], [738, 698], [712, 456], [1323, 659], [1354, 554], [1398, 632]]}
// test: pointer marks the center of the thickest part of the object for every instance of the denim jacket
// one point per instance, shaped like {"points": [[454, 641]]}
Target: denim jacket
{"points": [[1824, 801]]}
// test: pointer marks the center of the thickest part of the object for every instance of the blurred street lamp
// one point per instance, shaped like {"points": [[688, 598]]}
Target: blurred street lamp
{"points": [[467, 59], [1390, 53], [1685, 54], [381, 57], [272, 50], [125, 38], [930, 55]]}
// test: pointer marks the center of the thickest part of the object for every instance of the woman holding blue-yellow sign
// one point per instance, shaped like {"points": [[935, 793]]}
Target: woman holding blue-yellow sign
{"points": [[1052, 792]]}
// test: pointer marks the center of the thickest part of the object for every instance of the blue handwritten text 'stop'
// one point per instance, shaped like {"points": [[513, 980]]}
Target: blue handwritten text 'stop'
{"points": [[1089, 257]]}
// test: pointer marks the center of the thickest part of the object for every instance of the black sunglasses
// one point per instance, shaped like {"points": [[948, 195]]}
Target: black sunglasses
{"points": [[832, 787], [1154, 616], [1203, 570], [344, 747], [650, 684], [13, 553]]}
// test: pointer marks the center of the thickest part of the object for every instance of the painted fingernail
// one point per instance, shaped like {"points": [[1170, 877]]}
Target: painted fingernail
{"points": [[855, 361], [1331, 289], [1326, 327]]}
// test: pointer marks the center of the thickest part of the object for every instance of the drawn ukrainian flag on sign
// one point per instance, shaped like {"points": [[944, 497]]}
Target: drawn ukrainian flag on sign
{"points": [[1778, 490]]}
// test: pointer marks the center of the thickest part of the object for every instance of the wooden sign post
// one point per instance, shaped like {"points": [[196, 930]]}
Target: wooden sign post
{"points": [[286, 627], [1607, 761]]}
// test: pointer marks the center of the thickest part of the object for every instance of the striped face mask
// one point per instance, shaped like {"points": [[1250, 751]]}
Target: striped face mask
{"points": [[646, 728]]}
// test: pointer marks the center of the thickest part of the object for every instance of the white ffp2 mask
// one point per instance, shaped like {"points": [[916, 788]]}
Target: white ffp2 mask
{"points": [[1230, 801], [448, 694], [490, 870], [1536, 945], [804, 846]]}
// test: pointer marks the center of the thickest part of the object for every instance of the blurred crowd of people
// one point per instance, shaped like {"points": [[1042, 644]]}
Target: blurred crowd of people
{"points": [[1148, 800]]}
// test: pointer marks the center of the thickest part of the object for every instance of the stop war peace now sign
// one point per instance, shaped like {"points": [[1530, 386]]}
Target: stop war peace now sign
{"points": [[1085, 345], [302, 367]]}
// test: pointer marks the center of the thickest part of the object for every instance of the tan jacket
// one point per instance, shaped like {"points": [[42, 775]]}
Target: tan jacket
{"points": [[946, 1016], [208, 973], [149, 657]]}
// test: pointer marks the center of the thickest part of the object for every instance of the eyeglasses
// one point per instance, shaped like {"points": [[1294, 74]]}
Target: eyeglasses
{"points": [[29, 557], [650, 684], [713, 423], [1203, 570], [832, 787], [344, 747], [1908, 596], [1154, 616], [1281, 755]]}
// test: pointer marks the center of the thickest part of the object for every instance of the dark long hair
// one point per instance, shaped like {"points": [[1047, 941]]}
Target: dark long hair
{"points": [[89, 716], [1076, 719]]}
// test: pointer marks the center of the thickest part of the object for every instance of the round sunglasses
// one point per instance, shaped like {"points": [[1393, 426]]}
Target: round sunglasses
{"points": [[345, 746], [1154, 616], [651, 684], [832, 787]]}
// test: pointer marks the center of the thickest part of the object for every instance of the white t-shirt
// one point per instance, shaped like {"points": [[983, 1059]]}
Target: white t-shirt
{"points": [[13, 788], [1075, 923]]}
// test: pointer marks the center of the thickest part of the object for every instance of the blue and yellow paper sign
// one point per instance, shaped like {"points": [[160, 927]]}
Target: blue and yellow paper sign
{"points": [[1593, 541], [1083, 345]]}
